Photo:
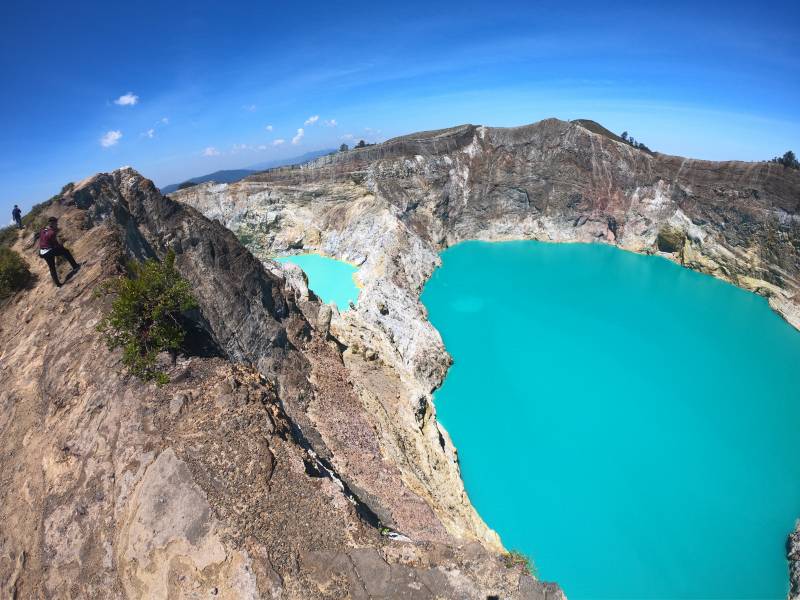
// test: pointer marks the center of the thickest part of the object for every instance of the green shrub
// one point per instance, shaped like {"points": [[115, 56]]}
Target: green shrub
{"points": [[788, 160], [145, 316], [516, 558], [14, 272]]}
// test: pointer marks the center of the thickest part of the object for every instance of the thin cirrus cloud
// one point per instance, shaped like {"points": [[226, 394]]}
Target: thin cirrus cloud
{"points": [[250, 107], [278, 142], [311, 120], [268, 127], [330, 123], [111, 138], [296, 139], [211, 151], [150, 133], [129, 99]]}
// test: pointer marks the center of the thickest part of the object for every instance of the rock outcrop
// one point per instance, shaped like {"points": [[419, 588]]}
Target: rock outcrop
{"points": [[259, 471], [793, 556]]}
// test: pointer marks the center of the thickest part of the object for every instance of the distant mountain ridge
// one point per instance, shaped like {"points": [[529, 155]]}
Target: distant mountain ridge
{"points": [[233, 175]]}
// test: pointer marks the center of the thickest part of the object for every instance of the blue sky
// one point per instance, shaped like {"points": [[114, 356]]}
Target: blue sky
{"points": [[205, 81]]}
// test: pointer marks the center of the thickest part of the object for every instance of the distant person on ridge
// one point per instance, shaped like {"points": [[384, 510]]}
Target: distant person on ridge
{"points": [[50, 247], [17, 214]]}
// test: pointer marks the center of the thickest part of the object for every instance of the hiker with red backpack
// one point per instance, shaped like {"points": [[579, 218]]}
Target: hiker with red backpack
{"points": [[50, 248]]}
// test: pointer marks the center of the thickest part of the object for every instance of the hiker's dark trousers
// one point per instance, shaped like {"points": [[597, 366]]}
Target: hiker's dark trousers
{"points": [[18, 221], [50, 257]]}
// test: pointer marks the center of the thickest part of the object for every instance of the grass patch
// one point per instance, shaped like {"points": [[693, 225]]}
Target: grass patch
{"points": [[8, 235]]}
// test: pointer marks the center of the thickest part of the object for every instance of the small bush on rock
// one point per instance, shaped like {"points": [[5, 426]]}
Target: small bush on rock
{"points": [[516, 558], [14, 272], [145, 316]]}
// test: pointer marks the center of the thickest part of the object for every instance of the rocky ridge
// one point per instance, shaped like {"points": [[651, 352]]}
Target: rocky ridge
{"points": [[390, 208], [259, 471]]}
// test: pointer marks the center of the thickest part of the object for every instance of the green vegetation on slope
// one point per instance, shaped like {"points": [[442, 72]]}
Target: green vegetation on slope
{"points": [[788, 160], [145, 316], [14, 272]]}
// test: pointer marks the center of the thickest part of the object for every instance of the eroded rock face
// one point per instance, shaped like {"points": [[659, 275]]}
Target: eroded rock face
{"points": [[256, 473]]}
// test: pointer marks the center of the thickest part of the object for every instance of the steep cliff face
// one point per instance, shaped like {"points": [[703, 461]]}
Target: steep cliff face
{"points": [[258, 472]]}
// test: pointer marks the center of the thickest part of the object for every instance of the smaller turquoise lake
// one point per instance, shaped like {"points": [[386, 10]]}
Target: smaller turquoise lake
{"points": [[629, 424], [330, 279]]}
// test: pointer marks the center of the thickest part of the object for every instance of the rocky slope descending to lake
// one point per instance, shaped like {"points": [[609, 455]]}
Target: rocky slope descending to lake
{"points": [[257, 472]]}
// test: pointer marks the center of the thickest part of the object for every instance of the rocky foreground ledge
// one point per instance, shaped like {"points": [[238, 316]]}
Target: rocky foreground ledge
{"points": [[273, 465]]}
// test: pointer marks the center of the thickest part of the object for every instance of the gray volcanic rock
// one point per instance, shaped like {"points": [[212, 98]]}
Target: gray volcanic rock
{"points": [[255, 473]]}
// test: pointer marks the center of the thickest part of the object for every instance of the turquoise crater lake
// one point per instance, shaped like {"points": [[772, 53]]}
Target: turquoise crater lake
{"points": [[330, 279], [629, 424]]}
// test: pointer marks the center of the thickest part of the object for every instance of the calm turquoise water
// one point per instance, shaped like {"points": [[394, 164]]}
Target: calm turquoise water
{"points": [[631, 425], [331, 279]]}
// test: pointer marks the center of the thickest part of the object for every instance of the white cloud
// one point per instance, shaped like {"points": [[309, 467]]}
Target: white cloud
{"points": [[268, 127], [311, 120], [278, 142], [330, 123], [296, 139], [211, 151], [128, 99], [110, 138], [165, 121], [151, 133], [348, 136], [250, 107], [262, 147]]}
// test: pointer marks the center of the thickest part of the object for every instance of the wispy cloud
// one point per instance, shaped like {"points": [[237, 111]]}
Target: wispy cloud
{"points": [[250, 107], [268, 127], [348, 136], [311, 120], [296, 139], [110, 138], [164, 121], [211, 151], [262, 147], [150, 133], [278, 142], [129, 99], [330, 123]]}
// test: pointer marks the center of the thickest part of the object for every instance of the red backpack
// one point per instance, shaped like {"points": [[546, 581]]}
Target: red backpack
{"points": [[47, 239]]}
